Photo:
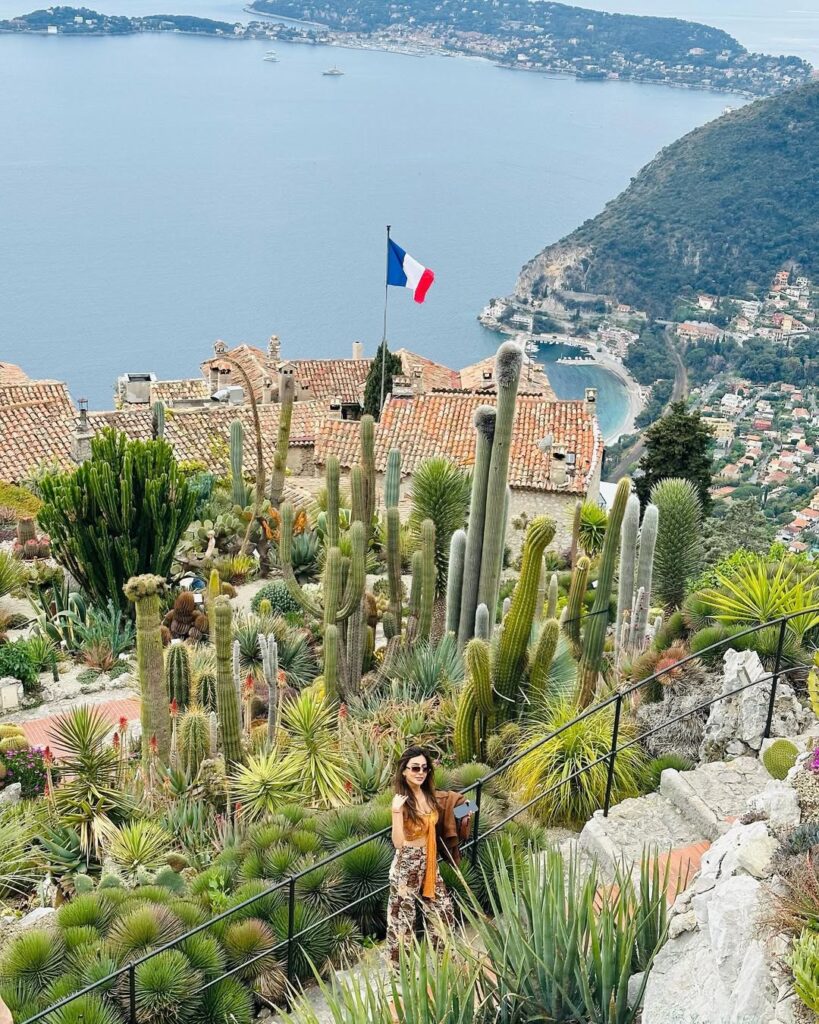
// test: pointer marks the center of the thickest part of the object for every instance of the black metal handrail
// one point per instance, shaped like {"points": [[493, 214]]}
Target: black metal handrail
{"points": [[477, 837]]}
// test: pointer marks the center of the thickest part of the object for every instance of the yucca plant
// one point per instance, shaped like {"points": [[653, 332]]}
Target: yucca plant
{"points": [[140, 928], [33, 958], [580, 746], [311, 951], [365, 877], [440, 492], [17, 871], [313, 749], [369, 766], [266, 782], [320, 889], [90, 797], [592, 533], [141, 845], [342, 827], [12, 573], [204, 954], [419, 671], [165, 988]]}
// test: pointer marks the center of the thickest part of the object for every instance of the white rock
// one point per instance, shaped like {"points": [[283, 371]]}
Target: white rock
{"points": [[684, 986], [732, 924], [40, 917], [788, 1010], [754, 856], [682, 923], [754, 994], [11, 795], [634, 983], [779, 802]]}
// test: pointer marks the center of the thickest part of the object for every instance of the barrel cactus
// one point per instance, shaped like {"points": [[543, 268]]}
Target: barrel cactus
{"points": [[779, 758]]}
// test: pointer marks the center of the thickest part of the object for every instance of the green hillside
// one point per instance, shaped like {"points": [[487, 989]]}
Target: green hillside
{"points": [[719, 210]]}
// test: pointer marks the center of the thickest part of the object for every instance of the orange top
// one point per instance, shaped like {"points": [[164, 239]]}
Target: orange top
{"points": [[417, 830]]}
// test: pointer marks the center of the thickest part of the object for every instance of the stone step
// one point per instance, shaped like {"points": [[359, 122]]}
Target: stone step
{"points": [[712, 796], [633, 825]]}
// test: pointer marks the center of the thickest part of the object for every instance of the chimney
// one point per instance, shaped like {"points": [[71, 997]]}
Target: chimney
{"points": [[214, 379], [274, 348], [488, 376], [401, 386], [417, 381], [267, 391], [358, 350], [82, 434], [335, 408], [590, 401], [557, 468]]}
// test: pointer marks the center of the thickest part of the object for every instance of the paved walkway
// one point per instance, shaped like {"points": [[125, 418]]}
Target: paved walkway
{"points": [[39, 731]]}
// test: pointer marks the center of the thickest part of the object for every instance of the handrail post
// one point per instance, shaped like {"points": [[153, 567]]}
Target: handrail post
{"points": [[783, 625], [612, 756], [473, 853], [132, 994], [291, 925]]}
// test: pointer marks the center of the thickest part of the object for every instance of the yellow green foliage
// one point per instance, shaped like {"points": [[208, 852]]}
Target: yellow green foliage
{"points": [[18, 499]]}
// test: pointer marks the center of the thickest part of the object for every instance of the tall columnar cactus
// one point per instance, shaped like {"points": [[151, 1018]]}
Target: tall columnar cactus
{"points": [[269, 650], [629, 532], [145, 591], [178, 670], [427, 597], [484, 421], [542, 661], [158, 420], [227, 700], [510, 662], [392, 479], [237, 441], [331, 661], [597, 620], [476, 659], [573, 612], [367, 456], [508, 363], [331, 475], [455, 579], [578, 516], [678, 555], [287, 390], [121, 513], [466, 713], [483, 625], [551, 600], [193, 739]]}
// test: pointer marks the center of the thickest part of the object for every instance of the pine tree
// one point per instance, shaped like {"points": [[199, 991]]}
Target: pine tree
{"points": [[372, 387], [678, 445]]}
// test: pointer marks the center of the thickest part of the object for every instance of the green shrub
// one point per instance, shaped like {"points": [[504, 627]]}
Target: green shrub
{"points": [[16, 661], [281, 601], [804, 961], [655, 768]]}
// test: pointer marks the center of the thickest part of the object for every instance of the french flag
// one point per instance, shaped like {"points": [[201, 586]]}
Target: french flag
{"points": [[405, 272]]}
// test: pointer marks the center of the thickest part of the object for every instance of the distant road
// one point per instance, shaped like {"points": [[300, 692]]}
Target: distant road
{"points": [[678, 392]]}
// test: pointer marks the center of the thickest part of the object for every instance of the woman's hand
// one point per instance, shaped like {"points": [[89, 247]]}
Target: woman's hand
{"points": [[398, 802]]}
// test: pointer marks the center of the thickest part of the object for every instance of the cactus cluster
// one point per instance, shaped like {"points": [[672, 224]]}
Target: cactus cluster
{"points": [[185, 621], [498, 683]]}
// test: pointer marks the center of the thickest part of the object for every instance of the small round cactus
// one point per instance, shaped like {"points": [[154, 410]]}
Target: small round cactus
{"points": [[779, 758]]}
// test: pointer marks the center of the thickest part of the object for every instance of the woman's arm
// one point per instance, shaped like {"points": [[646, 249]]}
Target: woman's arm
{"points": [[398, 838]]}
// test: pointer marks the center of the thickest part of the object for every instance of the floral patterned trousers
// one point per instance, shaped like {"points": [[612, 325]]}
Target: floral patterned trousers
{"points": [[406, 885]]}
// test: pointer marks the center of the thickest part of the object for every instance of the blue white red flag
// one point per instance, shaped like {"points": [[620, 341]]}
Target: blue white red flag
{"points": [[405, 272]]}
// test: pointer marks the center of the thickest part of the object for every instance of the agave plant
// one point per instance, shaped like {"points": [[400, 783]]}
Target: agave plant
{"points": [[365, 877], [249, 944], [226, 1002], [12, 573], [592, 533], [33, 958], [419, 671], [88, 1009], [266, 782], [295, 653], [313, 749], [88, 910], [165, 988], [140, 928], [17, 870], [141, 845], [313, 949]]}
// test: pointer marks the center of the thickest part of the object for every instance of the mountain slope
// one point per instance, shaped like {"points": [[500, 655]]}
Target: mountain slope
{"points": [[719, 210]]}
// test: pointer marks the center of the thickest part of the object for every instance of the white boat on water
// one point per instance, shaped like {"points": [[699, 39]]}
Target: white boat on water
{"points": [[333, 73], [271, 56]]}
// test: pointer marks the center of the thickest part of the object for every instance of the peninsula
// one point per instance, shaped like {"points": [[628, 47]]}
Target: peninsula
{"points": [[77, 21], [550, 37]]}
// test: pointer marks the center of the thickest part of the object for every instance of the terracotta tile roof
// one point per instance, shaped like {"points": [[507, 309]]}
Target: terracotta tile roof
{"points": [[11, 374], [170, 391], [441, 424], [533, 381], [36, 421], [201, 434], [331, 378], [435, 376], [252, 360]]}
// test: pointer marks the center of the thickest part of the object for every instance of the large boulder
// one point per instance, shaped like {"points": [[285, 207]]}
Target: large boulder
{"points": [[736, 725], [715, 968]]}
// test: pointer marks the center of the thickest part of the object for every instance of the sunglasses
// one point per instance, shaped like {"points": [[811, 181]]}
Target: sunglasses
{"points": [[422, 768]]}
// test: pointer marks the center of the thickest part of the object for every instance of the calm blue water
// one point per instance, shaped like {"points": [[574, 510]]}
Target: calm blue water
{"points": [[159, 192]]}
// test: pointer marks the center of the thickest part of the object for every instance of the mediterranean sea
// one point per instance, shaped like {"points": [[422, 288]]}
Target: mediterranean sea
{"points": [[160, 191]]}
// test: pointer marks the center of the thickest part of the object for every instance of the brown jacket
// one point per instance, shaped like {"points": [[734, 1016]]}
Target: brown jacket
{"points": [[451, 832]]}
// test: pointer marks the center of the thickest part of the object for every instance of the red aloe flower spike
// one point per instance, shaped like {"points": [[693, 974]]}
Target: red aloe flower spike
{"points": [[115, 741], [248, 685], [48, 757], [342, 711], [154, 746], [174, 708]]}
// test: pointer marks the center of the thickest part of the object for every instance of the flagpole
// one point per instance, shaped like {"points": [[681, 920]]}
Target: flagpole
{"points": [[384, 334]]}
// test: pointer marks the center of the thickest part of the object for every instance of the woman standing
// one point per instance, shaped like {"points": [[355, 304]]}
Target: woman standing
{"points": [[414, 878]]}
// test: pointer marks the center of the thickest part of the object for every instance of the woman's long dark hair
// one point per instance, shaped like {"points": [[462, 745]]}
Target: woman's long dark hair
{"points": [[399, 783]]}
